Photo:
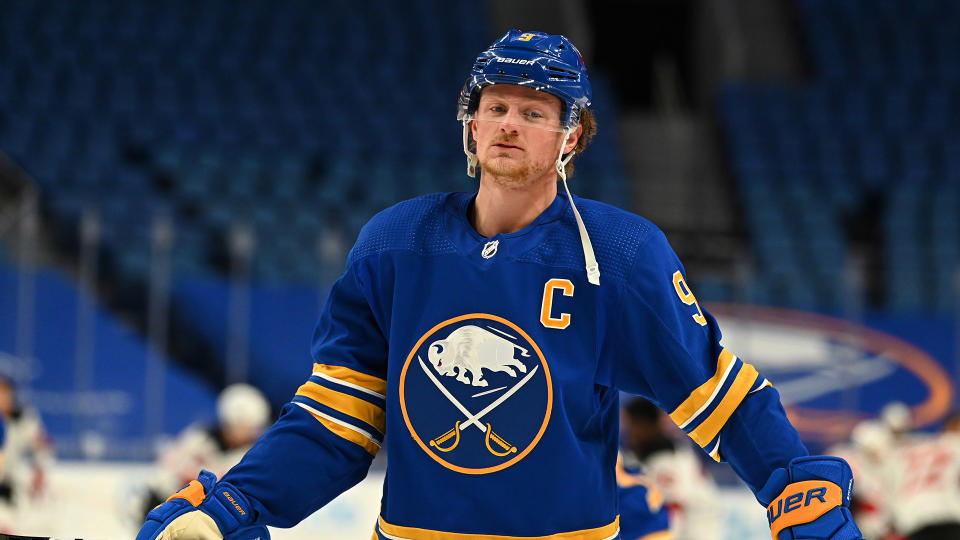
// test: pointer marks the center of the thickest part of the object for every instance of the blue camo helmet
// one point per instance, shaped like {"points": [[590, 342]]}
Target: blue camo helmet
{"points": [[549, 63]]}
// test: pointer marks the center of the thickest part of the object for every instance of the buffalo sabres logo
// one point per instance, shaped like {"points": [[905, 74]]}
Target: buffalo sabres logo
{"points": [[476, 393]]}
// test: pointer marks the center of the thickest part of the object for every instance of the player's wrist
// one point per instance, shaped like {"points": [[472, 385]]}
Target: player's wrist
{"points": [[228, 506], [204, 508]]}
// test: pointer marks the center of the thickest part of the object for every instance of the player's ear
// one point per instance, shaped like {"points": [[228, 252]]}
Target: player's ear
{"points": [[573, 139], [473, 129]]}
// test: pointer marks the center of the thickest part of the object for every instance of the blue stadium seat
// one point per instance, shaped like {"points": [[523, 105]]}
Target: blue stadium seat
{"points": [[235, 117]]}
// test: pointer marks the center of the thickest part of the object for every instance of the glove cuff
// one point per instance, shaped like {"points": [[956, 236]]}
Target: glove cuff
{"points": [[802, 502], [228, 507], [808, 488]]}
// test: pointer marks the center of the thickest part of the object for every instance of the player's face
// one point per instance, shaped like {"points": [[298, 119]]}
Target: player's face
{"points": [[518, 134], [637, 433], [6, 399]]}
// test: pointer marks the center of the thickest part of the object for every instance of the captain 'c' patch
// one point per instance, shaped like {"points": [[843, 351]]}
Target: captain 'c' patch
{"points": [[476, 393]]}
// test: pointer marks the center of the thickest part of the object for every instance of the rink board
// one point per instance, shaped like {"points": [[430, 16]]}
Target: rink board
{"points": [[97, 501]]}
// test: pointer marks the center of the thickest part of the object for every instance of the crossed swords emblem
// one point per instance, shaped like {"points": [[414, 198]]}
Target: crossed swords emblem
{"points": [[474, 419]]}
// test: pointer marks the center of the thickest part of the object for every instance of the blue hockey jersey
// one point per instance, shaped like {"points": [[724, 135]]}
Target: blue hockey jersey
{"points": [[643, 514], [490, 368]]}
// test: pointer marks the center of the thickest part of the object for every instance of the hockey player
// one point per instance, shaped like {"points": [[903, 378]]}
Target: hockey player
{"points": [[484, 337], [27, 452], [871, 444], [242, 415], [689, 492], [923, 480], [643, 514]]}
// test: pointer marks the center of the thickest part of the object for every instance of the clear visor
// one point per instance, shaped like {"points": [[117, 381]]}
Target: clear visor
{"points": [[517, 119]]}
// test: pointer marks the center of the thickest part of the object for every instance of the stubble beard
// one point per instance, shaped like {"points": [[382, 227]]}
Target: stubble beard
{"points": [[515, 174]]}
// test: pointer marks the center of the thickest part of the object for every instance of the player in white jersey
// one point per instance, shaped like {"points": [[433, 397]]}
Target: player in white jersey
{"points": [[689, 492], [27, 451], [242, 414], [867, 452], [924, 486]]}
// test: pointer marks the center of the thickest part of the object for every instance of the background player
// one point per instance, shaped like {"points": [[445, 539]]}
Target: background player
{"points": [[643, 512], [242, 415], [27, 452], [922, 479], [872, 444], [430, 268], [690, 494]]}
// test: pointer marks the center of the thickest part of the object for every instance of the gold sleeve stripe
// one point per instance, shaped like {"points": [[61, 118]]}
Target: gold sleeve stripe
{"points": [[399, 532], [344, 430], [703, 396], [659, 535], [706, 431], [374, 386], [351, 405]]}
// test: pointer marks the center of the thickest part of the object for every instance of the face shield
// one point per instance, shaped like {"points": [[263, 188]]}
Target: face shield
{"points": [[499, 116], [533, 118]]}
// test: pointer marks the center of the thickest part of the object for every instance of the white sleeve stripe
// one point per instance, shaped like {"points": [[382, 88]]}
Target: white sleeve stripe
{"points": [[339, 422], [348, 384], [763, 385], [713, 396], [716, 448]]}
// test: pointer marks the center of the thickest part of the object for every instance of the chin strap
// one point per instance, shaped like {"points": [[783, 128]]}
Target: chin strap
{"points": [[471, 157], [590, 259], [593, 269]]}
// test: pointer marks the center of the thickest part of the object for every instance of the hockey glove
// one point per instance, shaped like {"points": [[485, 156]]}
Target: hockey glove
{"points": [[810, 500], [204, 509]]}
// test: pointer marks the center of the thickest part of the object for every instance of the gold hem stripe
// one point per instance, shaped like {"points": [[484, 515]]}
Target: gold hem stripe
{"points": [[412, 533]]}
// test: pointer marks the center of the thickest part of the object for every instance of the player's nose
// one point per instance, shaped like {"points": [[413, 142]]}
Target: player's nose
{"points": [[509, 126]]}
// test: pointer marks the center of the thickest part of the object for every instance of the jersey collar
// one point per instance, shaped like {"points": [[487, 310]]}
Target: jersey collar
{"points": [[470, 242]]}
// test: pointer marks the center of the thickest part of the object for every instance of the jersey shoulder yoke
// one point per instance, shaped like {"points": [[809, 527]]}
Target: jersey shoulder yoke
{"points": [[414, 225], [617, 237]]}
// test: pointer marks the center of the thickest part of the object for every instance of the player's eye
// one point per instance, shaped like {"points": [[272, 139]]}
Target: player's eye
{"points": [[497, 109], [535, 114]]}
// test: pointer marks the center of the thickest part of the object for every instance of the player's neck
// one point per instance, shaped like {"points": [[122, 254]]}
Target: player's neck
{"points": [[499, 209]]}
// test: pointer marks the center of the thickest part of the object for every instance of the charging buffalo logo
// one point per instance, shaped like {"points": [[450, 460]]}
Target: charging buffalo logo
{"points": [[476, 393]]}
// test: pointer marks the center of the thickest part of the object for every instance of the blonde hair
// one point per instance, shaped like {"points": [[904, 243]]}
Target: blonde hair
{"points": [[589, 123]]}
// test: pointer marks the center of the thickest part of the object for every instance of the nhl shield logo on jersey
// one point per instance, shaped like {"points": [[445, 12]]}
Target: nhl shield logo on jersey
{"points": [[476, 394]]}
